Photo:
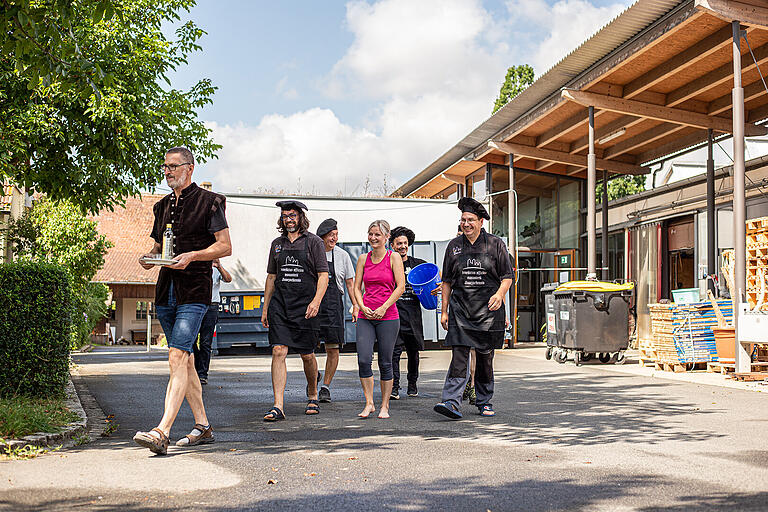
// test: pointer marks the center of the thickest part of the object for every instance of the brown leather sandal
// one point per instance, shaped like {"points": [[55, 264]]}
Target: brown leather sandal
{"points": [[158, 445], [204, 437]]}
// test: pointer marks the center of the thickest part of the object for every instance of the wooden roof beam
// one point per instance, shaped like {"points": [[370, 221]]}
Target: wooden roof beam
{"points": [[687, 57], [565, 158], [748, 12], [603, 131], [725, 102], [641, 139], [716, 77], [651, 111]]}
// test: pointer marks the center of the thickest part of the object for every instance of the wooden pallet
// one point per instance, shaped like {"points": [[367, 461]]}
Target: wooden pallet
{"points": [[677, 367], [750, 376], [755, 225], [729, 367]]}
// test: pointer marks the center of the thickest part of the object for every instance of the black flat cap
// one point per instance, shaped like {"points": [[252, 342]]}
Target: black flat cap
{"points": [[402, 231], [291, 205], [326, 227], [469, 205]]}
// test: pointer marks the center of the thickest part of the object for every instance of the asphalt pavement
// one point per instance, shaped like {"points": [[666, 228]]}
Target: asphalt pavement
{"points": [[564, 438]]}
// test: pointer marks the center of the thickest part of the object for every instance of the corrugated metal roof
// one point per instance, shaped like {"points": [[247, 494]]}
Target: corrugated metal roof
{"points": [[634, 20]]}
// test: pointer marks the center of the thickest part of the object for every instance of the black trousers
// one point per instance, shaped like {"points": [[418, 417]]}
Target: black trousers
{"points": [[411, 348], [458, 375], [203, 353]]}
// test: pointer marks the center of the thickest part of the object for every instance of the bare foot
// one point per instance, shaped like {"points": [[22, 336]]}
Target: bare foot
{"points": [[367, 411], [383, 414]]}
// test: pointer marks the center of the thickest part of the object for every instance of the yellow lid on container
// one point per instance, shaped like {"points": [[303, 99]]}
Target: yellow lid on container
{"points": [[595, 286]]}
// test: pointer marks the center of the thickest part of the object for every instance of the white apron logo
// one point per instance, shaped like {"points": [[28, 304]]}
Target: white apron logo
{"points": [[474, 263], [290, 260]]}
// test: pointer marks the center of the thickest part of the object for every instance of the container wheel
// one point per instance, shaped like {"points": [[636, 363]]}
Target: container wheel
{"points": [[586, 356], [621, 358], [604, 357], [548, 353], [577, 358], [561, 356]]}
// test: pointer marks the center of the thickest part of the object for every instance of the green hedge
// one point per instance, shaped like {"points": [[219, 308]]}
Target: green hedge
{"points": [[35, 329]]}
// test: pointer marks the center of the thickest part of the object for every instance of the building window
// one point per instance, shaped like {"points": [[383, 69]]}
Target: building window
{"points": [[141, 310]]}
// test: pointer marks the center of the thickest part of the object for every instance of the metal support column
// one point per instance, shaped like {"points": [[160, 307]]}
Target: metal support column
{"points": [[711, 240], [591, 199], [488, 196], [604, 239], [512, 229], [149, 326], [739, 198]]}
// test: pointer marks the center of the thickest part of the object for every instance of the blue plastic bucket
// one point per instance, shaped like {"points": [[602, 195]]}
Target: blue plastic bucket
{"points": [[424, 278]]}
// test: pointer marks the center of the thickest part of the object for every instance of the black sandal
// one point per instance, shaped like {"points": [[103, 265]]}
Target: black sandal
{"points": [[313, 407], [274, 414]]}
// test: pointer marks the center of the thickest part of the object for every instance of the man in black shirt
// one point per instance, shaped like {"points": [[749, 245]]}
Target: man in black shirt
{"points": [[410, 337], [183, 291], [477, 273], [297, 277]]}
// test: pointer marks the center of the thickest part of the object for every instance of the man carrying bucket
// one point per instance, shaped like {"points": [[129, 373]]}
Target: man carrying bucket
{"points": [[410, 337], [477, 273]]}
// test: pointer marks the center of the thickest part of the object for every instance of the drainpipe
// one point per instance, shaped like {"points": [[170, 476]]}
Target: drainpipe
{"points": [[604, 239]]}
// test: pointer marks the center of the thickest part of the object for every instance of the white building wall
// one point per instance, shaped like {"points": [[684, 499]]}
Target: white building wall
{"points": [[253, 225]]}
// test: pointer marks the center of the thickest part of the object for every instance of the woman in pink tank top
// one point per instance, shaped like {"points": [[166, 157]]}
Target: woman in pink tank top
{"points": [[379, 282]]}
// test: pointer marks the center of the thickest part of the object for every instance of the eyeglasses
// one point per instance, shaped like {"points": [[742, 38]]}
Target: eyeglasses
{"points": [[291, 216], [173, 167]]}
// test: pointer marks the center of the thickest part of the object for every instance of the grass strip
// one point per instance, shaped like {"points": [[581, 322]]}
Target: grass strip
{"points": [[21, 416]]}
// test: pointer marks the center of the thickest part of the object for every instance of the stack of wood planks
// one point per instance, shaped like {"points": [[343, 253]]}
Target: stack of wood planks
{"points": [[757, 262], [682, 333]]}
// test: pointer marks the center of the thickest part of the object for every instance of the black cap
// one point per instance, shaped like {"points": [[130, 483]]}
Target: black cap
{"points": [[402, 231], [469, 205], [291, 205], [326, 227]]}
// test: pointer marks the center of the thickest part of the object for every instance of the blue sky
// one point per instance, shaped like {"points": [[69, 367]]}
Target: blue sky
{"points": [[322, 97]]}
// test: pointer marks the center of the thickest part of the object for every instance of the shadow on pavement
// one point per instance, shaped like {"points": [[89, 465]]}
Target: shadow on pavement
{"points": [[441, 494]]}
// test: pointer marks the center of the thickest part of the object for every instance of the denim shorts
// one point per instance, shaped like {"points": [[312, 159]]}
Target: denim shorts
{"points": [[181, 324]]}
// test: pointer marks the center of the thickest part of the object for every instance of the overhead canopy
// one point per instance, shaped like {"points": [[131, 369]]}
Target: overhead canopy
{"points": [[659, 76]]}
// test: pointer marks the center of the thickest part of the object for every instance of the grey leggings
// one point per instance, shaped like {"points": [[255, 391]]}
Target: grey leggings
{"points": [[369, 332]]}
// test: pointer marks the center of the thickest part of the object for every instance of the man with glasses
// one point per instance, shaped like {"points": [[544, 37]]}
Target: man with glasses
{"points": [[477, 273], [297, 277], [183, 290]]}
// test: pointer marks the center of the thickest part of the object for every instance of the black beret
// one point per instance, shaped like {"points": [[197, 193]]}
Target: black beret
{"points": [[326, 227], [469, 205], [402, 231], [291, 205]]}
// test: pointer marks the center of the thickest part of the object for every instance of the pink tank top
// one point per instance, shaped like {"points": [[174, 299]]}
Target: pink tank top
{"points": [[379, 284]]}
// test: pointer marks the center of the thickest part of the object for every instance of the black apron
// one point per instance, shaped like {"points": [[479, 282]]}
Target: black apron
{"points": [[295, 287], [331, 315], [470, 322], [409, 309]]}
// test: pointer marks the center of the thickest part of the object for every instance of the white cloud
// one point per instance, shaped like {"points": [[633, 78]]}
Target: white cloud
{"points": [[430, 69], [568, 23], [283, 89]]}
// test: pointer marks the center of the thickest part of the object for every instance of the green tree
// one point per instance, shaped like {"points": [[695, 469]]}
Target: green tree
{"points": [[517, 79], [86, 106], [59, 232], [622, 186]]}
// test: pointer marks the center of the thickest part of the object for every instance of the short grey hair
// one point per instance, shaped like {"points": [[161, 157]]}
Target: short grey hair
{"points": [[382, 225], [185, 153]]}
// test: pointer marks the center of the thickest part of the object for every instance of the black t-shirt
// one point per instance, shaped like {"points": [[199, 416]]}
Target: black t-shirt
{"points": [[495, 247], [315, 252], [216, 222]]}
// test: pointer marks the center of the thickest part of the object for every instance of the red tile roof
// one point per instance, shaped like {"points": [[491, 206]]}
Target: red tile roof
{"points": [[128, 229]]}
